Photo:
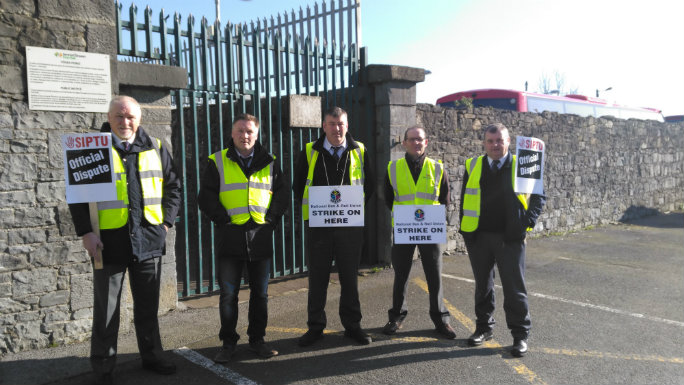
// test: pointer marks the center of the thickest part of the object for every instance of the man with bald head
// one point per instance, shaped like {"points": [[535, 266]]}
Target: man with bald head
{"points": [[132, 233]]}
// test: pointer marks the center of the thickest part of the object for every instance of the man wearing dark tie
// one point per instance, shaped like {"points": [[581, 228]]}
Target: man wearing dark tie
{"points": [[333, 160], [244, 193], [494, 224]]}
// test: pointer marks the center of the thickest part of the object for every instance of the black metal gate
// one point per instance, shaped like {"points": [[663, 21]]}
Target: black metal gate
{"points": [[250, 69]]}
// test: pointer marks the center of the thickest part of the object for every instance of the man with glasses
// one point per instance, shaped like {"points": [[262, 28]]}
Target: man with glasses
{"points": [[416, 179]]}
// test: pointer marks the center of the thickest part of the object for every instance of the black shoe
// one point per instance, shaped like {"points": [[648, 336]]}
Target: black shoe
{"points": [[159, 366], [519, 347], [262, 350], [310, 337], [104, 379], [358, 335], [479, 337], [391, 327], [446, 330], [225, 354]]}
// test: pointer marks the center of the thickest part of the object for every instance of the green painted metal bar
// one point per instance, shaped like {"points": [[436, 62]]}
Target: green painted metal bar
{"points": [[334, 73], [297, 69], [163, 39], [230, 60], [133, 25], [241, 67], [307, 65], [119, 28], [192, 62], [184, 174], [218, 62], [256, 97], [325, 76], [205, 55], [207, 123], [148, 32], [342, 98]]}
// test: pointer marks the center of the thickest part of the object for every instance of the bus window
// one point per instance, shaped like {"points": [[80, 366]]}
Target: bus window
{"points": [[539, 105], [579, 109], [501, 103]]}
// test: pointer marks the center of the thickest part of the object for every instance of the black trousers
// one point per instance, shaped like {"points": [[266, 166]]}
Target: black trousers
{"points": [[402, 261], [144, 278], [343, 245], [486, 250]]}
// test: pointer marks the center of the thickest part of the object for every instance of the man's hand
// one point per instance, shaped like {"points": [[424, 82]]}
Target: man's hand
{"points": [[91, 242]]}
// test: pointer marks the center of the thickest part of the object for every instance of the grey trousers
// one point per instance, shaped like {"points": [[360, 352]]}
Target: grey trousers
{"points": [[107, 284], [402, 261]]}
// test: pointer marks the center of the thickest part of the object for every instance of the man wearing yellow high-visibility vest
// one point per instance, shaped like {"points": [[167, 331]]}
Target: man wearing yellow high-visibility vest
{"points": [[416, 179], [132, 233], [332, 160], [494, 224], [244, 193]]}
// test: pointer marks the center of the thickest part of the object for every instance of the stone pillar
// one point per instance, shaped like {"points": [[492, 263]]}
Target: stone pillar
{"points": [[45, 275], [395, 111]]}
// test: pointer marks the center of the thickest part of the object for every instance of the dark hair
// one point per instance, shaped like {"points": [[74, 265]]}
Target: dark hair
{"points": [[414, 128], [335, 112], [493, 128], [247, 117]]}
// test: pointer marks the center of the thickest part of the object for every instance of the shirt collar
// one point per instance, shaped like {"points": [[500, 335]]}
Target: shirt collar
{"points": [[328, 146], [502, 161]]}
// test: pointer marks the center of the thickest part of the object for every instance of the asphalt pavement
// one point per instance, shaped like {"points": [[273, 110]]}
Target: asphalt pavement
{"points": [[606, 306]]}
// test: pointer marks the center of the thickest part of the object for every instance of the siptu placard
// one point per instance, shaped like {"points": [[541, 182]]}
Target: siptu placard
{"points": [[415, 224], [529, 173], [88, 170], [335, 206]]}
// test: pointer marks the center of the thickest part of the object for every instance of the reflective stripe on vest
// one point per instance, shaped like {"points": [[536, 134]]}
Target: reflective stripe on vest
{"points": [[241, 197], [406, 191], [356, 173], [114, 214], [473, 193]]}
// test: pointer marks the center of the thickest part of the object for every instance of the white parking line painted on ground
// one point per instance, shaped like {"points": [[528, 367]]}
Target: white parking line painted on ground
{"points": [[585, 304], [217, 369]]}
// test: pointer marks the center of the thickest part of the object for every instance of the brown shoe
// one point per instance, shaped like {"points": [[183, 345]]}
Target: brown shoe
{"points": [[262, 350], [446, 330]]}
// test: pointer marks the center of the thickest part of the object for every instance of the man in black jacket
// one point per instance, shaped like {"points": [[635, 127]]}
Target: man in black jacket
{"points": [[332, 160], [132, 237], [494, 223], [244, 193]]}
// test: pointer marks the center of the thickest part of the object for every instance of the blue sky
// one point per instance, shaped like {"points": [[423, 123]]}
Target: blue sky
{"points": [[634, 47]]}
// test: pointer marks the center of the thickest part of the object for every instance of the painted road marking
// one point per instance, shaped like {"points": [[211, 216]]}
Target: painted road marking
{"points": [[215, 368], [595, 354], [515, 364], [585, 304]]}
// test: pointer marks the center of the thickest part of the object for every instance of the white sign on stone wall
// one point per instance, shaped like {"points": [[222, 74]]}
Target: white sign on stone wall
{"points": [[61, 80]]}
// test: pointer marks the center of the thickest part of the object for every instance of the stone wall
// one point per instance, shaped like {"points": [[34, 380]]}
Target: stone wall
{"points": [[45, 274], [597, 171]]}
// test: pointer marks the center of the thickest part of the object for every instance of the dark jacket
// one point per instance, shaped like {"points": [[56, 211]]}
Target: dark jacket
{"points": [[138, 238], [249, 241], [513, 220], [336, 170], [416, 166]]}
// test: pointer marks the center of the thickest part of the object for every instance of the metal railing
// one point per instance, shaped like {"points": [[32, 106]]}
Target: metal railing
{"points": [[241, 68]]}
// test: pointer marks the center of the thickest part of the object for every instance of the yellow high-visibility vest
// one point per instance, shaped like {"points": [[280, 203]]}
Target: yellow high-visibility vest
{"points": [[356, 174], [241, 197], [114, 214], [409, 192], [473, 194]]}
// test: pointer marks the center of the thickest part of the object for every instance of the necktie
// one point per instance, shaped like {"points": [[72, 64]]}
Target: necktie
{"points": [[495, 165], [126, 145], [334, 150], [246, 161]]}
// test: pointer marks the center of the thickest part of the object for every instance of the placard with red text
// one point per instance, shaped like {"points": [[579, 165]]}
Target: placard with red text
{"points": [[88, 170]]}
